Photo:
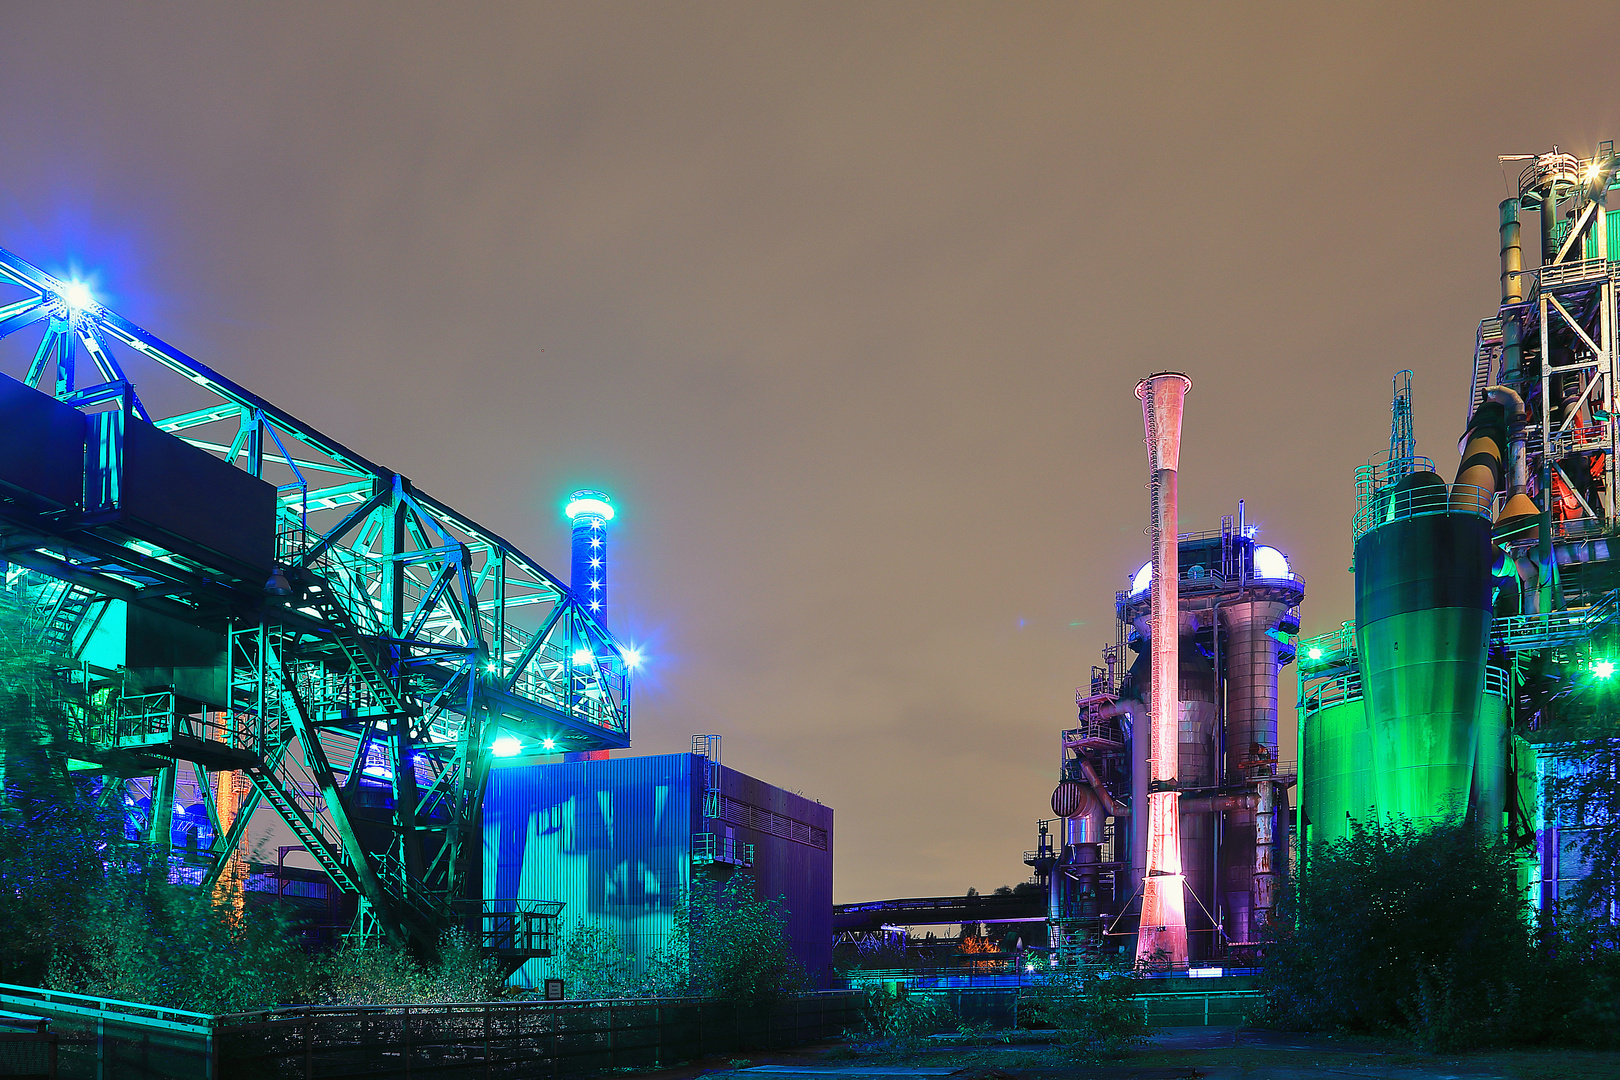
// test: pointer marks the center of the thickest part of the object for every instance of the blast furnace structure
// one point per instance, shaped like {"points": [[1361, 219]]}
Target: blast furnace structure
{"points": [[1171, 798], [1480, 661]]}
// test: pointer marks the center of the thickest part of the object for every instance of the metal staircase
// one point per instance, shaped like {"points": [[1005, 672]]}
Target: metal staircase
{"points": [[1487, 350], [65, 604], [314, 841]]}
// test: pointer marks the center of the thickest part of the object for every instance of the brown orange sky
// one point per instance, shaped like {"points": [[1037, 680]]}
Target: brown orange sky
{"points": [[843, 303]]}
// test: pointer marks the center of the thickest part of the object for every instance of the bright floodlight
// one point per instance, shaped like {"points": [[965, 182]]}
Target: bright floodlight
{"points": [[1143, 578], [1603, 669], [583, 657], [1314, 652], [1269, 563], [632, 658], [588, 504], [548, 744], [507, 746], [78, 296]]}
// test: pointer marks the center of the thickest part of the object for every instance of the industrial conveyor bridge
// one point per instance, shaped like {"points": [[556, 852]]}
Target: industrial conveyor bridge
{"points": [[238, 592]]}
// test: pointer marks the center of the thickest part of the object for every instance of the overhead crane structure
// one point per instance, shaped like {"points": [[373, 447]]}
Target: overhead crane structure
{"points": [[277, 605]]}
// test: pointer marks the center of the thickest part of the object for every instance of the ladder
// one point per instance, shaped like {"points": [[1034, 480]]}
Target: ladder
{"points": [[1487, 348]]}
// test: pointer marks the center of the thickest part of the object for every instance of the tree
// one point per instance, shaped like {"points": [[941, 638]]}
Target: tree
{"points": [[1583, 798], [1422, 933], [52, 834], [735, 946]]}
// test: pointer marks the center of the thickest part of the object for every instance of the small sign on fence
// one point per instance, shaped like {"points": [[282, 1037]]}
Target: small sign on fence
{"points": [[554, 989]]}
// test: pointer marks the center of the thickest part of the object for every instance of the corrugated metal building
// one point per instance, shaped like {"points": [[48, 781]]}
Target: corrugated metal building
{"points": [[618, 841]]}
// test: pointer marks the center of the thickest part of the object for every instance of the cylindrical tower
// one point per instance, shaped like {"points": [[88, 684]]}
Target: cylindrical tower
{"points": [[590, 511], [1248, 870], [1423, 617], [1162, 934], [1196, 768], [1339, 755]]}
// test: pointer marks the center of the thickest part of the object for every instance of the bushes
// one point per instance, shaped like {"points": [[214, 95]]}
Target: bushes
{"points": [[900, 1018], [378, 974], [736, 945], [1421, 933], [138, 938], [725, 943], [1093, 1009]]}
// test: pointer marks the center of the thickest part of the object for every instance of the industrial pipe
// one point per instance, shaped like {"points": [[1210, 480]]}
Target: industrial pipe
{"points": [[1512, 261], [1113, 808], [1136, 849], [1264, 887], [1162, 931], [1216, 804]]}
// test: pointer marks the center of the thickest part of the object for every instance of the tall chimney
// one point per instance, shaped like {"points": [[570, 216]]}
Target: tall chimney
{"points": [[1161, 937], [590, 511]]}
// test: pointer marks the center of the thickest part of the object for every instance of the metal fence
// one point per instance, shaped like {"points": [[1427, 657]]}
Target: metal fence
{"points": [[112, 1040]]}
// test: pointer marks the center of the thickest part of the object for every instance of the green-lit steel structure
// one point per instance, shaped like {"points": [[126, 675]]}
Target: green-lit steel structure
{"points": [[236, 594], [1479, 660]]}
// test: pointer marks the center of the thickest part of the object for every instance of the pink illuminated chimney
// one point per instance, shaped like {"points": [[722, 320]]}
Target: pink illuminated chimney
{"points": [[1162, 935]]}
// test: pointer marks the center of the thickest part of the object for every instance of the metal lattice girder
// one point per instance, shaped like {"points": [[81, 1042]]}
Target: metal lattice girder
{"points": [[409, 634]]}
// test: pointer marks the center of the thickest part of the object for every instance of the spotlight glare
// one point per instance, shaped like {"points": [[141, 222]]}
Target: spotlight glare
{"points": [[507, 746], [77, 295], [583, 658], [632, 658], [1603, 668], [1314, 653], [548, 744]]}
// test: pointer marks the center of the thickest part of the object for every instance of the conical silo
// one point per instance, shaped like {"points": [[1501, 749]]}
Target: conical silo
{"points": [[1423, 616]]}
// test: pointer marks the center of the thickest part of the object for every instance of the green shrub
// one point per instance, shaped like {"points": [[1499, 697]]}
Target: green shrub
{"points": [[1421, 933], [1094, 1009], [899, 1018]]}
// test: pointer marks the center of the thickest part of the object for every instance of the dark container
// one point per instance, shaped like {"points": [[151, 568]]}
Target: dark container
{"points": [[41, 447]]}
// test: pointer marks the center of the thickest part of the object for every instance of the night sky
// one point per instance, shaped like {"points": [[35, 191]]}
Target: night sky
{"points": [[844, 305]]}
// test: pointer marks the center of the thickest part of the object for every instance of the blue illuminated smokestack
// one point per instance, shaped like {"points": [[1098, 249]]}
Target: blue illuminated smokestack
{"points": [[590, 511]]}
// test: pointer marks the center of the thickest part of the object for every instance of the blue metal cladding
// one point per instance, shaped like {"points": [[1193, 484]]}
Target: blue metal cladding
{"points": [[610, 838], [793, 853]]}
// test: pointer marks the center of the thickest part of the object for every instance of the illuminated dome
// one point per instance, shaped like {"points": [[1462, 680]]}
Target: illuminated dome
{"points": [[589, 504], [1270, 563], [1143, 578]]}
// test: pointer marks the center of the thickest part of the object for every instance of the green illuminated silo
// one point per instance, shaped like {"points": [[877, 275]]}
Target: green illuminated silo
{"points": [[1490, 785], [1423, 618], [1339, 753]]}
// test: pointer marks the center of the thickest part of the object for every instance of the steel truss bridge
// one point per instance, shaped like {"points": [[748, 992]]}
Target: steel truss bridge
{"points": [[279, 608]]}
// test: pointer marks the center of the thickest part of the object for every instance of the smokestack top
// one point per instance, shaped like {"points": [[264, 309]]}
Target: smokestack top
{"points": [[1162, 396], [1142, 387], [588, 504]]}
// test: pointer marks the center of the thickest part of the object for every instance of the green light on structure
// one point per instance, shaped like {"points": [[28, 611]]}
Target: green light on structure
{"points": [[506, 746], [1603, 669], [1314, 653]]}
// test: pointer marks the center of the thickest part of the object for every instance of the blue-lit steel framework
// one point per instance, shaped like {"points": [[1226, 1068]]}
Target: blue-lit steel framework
{"points": [[394, 638]]}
